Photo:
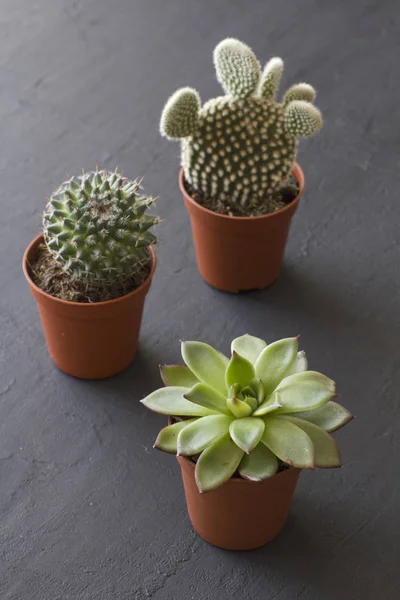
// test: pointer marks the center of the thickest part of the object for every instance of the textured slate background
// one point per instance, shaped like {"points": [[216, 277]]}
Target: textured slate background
{"points": [[88, 509]]}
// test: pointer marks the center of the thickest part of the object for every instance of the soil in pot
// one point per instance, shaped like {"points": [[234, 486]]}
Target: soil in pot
{"points": [[263, 206], [49, 276]]}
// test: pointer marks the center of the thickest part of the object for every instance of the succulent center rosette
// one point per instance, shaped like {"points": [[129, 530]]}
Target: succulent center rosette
{"points": [[249, 413]]}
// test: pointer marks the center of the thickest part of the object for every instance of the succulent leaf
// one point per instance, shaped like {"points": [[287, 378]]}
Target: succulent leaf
{"points": [[271, 78], [260, 464], [330, 417], [217, 464], [247, 432], [248, 346], [207, 364], [302, 118], [252, 402], [271, 404], [205, 395], [237, 67], [178, 375], [239, 408], [171, 401], [299, 91], [258, 389], [274, 361], [180, 114], [200, 434], [93, 230], [167, 439], [239, 370], [304, 391], [288, 442], [327, 453]]}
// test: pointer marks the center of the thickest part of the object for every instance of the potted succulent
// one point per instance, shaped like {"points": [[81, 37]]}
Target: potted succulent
{"points": [[239, 179], [242, 429], [90, 271]]}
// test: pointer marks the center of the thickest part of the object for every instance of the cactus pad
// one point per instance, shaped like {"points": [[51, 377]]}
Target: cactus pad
{"points": [[241, 146]]}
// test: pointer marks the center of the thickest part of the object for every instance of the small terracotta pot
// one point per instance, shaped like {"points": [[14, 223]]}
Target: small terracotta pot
{"points": [[240, 253], [241, 514], [90, 341]]}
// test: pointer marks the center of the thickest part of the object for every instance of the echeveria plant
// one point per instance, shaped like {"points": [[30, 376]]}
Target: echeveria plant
{"points": [[97, 228], [247, 414], [241, 145]]}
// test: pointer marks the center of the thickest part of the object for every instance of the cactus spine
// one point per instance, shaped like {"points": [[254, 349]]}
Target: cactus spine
{"points": [[97, 228]]}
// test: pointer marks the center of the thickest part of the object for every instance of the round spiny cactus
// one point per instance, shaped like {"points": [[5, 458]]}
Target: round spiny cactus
{"points": [[96, 226], [241, 146], [248, 413]]}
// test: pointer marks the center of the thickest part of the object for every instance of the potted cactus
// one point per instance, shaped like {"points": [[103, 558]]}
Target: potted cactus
{"points": [[242, 429], [90, 271], [239, 179]]}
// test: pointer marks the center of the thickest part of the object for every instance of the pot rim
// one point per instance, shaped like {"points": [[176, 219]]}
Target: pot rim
{"points": [[297, 172], [241, 480], [40, 238]]}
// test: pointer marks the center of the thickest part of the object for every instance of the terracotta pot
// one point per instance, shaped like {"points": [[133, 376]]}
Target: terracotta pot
{"points": [[241, 514], [90, 341], [240, 253]]}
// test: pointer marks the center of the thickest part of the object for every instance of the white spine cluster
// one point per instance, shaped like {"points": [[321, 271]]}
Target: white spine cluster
{"points": [[241, 146]]}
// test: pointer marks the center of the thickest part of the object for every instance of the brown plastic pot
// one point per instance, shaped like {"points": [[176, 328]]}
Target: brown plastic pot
{"points": [[90, 341], [240, 253], [241, 514]]}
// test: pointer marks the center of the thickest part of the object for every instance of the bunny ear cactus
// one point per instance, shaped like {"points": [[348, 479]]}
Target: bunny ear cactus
{"points": [[248, 413], [97, 228], [241, 146]]}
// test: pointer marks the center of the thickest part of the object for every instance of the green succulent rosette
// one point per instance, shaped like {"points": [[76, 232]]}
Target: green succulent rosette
{"points": [[250, 413]]}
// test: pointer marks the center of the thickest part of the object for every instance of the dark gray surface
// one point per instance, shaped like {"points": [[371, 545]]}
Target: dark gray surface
{"points": [[88, 509]]}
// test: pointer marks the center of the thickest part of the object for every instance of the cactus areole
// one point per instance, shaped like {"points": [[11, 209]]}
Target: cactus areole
{"points": [[249, 415], [241, 146]]}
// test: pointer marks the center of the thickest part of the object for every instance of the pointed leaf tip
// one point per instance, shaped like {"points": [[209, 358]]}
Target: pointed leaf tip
{"points": [[247, 432], [170, 401], [248, 346], [167, 439]]}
